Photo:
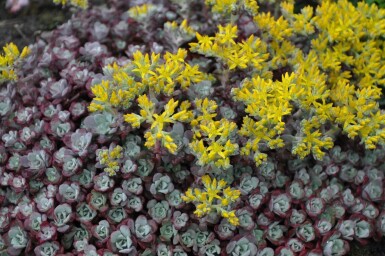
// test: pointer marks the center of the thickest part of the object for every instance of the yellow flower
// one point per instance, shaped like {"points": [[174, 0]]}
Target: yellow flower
{"points": [[159, 121], [78, 3], [95, 107], [116, 152], [231, 217], [101, 91], [188, 30], [227, 34], [235, 60], [213, 198], [178, 57], [142, 64], [9, 61], [222, 6], [188, 196], [251, 6], [25, 52], [204, 43], [133, 119], [312, 140], [140, 12], [109, 158], [188, 75]]}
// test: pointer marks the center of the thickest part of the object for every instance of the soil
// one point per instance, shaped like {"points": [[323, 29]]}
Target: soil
{"points": [[22, 27], [42, 15], [371, 249]]}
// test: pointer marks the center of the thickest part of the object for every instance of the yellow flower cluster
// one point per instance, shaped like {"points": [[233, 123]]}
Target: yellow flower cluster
{"points": [[118, 92], [335, 80], [141, 12], [347, 57], [226, 7], [299, 23], [250, 53], [333, 84], [212, 142], [267, 103], [311, 140], [109, 158], [302, 79], [358, 113], [143, 73], [277, 34], [182, 28], [159, 121], [8, 60], [77, 3], [214, 198], [178, 33]]}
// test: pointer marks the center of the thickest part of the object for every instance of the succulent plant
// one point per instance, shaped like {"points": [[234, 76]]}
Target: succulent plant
{"points": [[17, 240], [144, 229], [120, 241], [144, 128], [47, 248], [62, 216], [158, 210], [161, 184], [167, 231], [101, 231], [241, 246]]}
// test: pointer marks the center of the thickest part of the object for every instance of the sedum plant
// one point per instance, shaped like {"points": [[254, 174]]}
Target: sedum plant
{"points": [[247, 128], [110, 158], [216, 134], [142, 74], [77, 3], [9, 59], [159, 121], [214, 198]]}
